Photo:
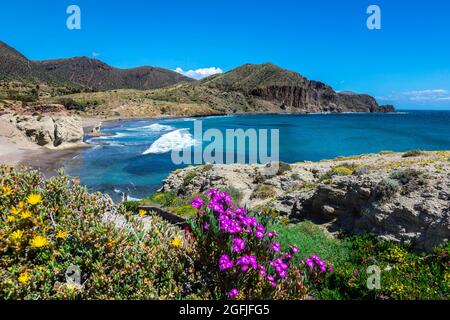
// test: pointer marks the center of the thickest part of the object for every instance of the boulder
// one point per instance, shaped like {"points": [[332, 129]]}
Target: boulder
{"points": [[48, 131]]}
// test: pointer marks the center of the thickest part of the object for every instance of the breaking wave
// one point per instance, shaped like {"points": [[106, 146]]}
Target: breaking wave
{"points": [[156, 127], [176, 140]]}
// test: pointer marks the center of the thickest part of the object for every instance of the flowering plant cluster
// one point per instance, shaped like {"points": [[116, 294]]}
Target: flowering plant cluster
{"points": [[241, 257], [50, 226]]}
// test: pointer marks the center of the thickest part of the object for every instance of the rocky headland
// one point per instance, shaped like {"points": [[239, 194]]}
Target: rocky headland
{"points": [[402, 197]]}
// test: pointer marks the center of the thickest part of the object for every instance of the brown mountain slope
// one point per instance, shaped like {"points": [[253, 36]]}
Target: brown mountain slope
{"points": [[96, 74], [267, 88], [16, 67]]}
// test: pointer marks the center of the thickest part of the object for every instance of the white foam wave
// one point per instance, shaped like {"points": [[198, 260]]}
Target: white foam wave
{"points": [[176, 140], [109, 137], [156, 127]]}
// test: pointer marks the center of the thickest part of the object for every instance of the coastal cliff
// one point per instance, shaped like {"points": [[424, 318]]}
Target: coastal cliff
{"points": [[53, 129], [399, 197]]}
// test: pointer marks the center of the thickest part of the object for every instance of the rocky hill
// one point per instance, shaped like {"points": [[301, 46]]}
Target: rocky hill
{"points": [[93, 73], [268, 88], [15, 66], [400, 197], [20, 77]]}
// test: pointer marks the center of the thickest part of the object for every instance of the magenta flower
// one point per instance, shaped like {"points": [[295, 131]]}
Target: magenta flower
{"points": [[233, 293], [294, 249], [239, 245], [206, 226], [259, 234], [225, 262], [197, 203], [276, 247], [356, 272]]}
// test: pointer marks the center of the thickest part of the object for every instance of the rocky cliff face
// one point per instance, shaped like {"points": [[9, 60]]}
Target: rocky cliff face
{"points": [[51, 131], [399, 198]]}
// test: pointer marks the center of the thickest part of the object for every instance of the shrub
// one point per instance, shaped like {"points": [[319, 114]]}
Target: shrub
{"points": [[240, 257], [50, 227], [409, 175], [411, 179], [263, 191], [387, 188], [189, 176], [413, 153], [71, 104], [342, 171], [283, 167], [346, 169]]}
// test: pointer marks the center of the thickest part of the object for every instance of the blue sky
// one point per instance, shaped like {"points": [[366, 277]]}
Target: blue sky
{"points": [[407, 62]]}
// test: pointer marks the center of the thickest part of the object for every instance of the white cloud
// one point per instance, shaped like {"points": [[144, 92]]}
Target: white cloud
{"points": [[427, 95], [199, 73], [95, 54]]}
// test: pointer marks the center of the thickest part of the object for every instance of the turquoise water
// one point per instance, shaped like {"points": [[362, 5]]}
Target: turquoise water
{"points": [[117, 162]]}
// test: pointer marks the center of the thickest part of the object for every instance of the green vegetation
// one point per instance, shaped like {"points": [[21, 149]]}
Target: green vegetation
{"points": [[405, 274], [283, 168], [345, 169], [71, 104], [180, 206], [387, 188], [313, 240], [413, 153], [263, 191], [50, 226]]}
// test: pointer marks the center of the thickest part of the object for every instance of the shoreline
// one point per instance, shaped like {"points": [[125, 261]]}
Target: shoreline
{"points": [[22, 152]]}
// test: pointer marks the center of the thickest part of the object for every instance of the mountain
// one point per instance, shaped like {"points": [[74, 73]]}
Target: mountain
{"points": [[16, 67], [268, 88], [93, 73]]}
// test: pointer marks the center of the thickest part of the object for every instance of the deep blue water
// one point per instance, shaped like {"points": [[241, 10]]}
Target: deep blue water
{"points": [[117, 162]]}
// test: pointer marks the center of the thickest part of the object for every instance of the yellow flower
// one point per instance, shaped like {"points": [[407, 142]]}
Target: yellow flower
{"points": [[142, 213], [39, 242], [34, 199], [176, 243], [21, 205], [26, 214], [61, 235], [11, 218], [24, 277], [14, 211], [17, 235], [7, 191], [111, 243]]}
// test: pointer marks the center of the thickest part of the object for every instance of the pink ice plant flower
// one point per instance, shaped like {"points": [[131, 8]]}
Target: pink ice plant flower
{"points": [[225, 262], [244, 229], [233, 293], [315, 261], [276, 247], [238, 245], [197, 203]]}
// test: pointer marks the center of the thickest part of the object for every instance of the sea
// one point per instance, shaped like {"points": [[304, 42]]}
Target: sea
{"points": [[133, 157]]}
